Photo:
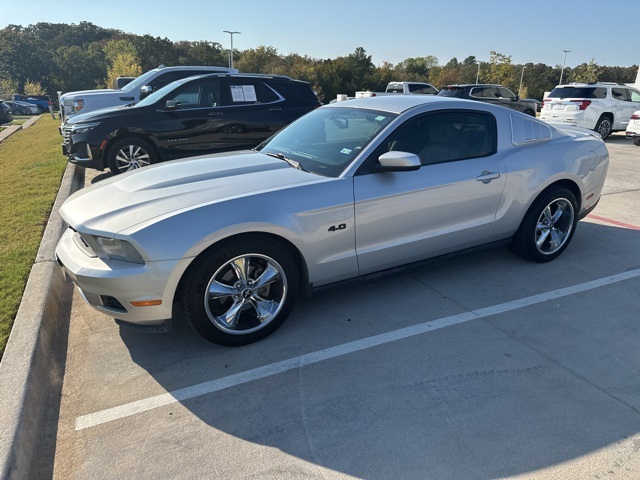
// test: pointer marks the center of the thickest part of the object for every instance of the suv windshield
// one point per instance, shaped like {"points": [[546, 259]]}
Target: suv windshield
{"points": [[578, 92], [138, 82], [325, 141]]}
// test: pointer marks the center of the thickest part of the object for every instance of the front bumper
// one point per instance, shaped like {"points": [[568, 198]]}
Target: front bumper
{"points": [[110, 286], [81, 151]]}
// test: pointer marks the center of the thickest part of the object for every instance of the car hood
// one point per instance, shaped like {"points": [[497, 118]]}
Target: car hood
{"points": [[99, 115], [80, 93], [158, 191]]}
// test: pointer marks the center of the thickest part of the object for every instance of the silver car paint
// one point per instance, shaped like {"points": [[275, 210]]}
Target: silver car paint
{"points": [[173, 211]]}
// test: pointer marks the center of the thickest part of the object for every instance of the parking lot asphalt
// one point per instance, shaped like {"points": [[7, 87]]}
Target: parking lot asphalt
{"points": [[479, 366]]}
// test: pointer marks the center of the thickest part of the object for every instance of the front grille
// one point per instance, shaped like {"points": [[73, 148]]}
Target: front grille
{"points": [[66, 135], [112, 304]]}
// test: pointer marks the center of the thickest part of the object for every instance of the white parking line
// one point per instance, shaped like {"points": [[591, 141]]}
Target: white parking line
{"points": [[133, 408]]}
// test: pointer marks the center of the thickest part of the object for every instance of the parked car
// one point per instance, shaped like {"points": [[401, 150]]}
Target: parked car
{"points": [[208, 113], [22, 108], [633, 128], [5, 113], [84, 101], [349, 189], [602, 107], [495, 94], [537, 103], [43, 102]]}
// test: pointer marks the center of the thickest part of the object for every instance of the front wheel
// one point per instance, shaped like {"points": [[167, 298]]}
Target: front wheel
{"points": [[547, 227], [129, 154], [603, 127], [240, 291]]}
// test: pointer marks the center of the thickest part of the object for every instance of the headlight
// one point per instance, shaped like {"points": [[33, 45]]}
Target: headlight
{"points": [[116, 249], [78, 105], [83, 127]]}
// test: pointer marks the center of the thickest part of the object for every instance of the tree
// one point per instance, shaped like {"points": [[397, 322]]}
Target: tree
{"points": [[7, 87], [123, 59], [586, 72], [501, 71], [258, 60], [32, 88]]}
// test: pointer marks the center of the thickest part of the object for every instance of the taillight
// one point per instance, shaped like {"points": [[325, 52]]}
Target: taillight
{"points": [[583, 104], [635, 116]]}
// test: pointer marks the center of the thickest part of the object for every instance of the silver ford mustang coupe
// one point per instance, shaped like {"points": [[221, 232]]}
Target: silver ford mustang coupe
{"points": [[349, 189]]}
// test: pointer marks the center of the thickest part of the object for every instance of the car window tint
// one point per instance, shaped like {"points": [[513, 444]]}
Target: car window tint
{"points": [[578, 92], [444, 137], [634, 95], [504, 93], [248, 91], [621, 94]]}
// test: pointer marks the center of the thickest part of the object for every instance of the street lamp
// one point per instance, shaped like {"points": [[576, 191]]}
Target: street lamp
{"points": [[521, 76], [231, 50], [564, 61], [478, 74]]}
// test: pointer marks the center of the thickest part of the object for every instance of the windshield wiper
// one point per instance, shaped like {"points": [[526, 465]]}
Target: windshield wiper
{"points": [[281, 156]]}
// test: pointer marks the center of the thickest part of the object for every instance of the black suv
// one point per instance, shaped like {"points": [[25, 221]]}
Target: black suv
{"points": [[192, 116], [496, 94]]}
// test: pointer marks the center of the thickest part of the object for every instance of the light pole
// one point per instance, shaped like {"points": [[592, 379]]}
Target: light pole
{"points": [[564, 61], [521, 76], [231, 50], [478, 74]]}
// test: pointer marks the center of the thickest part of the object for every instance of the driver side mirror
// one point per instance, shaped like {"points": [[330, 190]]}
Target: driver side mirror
{"points": [[145, 91], [173, 105], [396, 161]]}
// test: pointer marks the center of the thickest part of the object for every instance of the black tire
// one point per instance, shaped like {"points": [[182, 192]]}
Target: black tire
{"points": [[530, 112], [224, 305], [604, 126], [636, 141], [130, 153], [547, 227], [17, 112]]}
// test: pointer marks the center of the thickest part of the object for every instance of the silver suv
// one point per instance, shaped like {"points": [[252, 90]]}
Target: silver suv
{"points": [[602, 107]]}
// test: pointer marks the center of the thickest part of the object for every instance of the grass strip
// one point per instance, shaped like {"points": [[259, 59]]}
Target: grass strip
{"points": [[31, 166]]}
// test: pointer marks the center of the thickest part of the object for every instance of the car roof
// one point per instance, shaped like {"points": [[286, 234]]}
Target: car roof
{"points": [[465, 85], [399, 103]]}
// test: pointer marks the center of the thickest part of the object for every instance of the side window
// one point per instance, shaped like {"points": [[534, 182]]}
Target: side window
{"points": [[248, 92], [635, 95], [423, 89], [444, 137], [620, 94], [505, 93], [202, 93], [480, 92]]}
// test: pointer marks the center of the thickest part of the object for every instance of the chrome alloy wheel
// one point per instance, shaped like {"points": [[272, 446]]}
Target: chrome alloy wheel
{"points": [[554, 226], [245, 294], [132, 156]]}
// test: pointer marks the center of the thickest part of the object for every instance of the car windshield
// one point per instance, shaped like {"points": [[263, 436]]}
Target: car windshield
{"points": [[138, 82], [327, 140], [158, 94]]}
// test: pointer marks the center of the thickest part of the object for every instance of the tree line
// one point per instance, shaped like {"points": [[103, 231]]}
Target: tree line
{"points": [[46, 58]]}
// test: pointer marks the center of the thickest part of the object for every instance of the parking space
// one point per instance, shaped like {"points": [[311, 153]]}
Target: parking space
{"points": [[478, 366]]}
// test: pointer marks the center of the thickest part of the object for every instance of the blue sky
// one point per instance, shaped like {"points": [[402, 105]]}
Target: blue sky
{"points": [[534, 31]]}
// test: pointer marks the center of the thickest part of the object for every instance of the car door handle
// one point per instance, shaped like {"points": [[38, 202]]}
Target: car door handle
{"points": [[487, 176]]}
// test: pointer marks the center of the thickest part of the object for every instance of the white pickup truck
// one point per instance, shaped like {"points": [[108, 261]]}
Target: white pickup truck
{"points": [[84, 101], [401, 87]]}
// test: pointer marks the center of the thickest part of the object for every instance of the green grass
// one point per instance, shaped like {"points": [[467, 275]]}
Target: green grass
{"points": [[32, 166]]}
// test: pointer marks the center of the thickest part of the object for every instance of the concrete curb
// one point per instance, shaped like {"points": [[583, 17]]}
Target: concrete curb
{"points": [[26, 369]]}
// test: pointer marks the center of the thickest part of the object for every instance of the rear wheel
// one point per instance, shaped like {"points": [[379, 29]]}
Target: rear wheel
{"points": [[530, 112], [636, 141], [603, 127], [240, 291], [130, 153], [547, 227]]}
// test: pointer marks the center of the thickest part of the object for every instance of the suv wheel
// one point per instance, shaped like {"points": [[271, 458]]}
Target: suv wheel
{"points": [[603, 127], [130, 153]]}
